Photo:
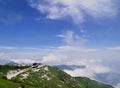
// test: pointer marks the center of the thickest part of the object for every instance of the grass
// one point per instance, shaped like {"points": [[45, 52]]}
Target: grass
{"points": [[88, 83], [5, 68], [42, 78], [4, 83], [57, 78]]}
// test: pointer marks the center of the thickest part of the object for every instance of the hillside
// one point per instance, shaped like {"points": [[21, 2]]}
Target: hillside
{"points": [[44, 76], [88, 83], [5, 68]]}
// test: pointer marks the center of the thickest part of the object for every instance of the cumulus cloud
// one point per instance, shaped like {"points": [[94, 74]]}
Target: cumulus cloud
{"points": [[53, 59], [22, 54], [93, 67], [75, 9], [23, 61], [7, 57]]}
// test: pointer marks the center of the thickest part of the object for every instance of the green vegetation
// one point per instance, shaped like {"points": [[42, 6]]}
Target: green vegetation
{"points": [[88, 83], [4, 83], [5, 68], [46, 77]]}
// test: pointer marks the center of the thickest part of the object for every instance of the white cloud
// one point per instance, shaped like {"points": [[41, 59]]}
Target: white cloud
{"points": [[71, 38], [68, 37], [75, 9], [8, 47], [90, 71], [4, 56], [80, 72], [23, 61], [100, 69], [77, 49], [113, 48], [53, 59]]}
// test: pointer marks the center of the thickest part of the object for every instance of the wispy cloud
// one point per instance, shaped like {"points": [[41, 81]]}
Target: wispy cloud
{"points": [[114, 48], [70, 37], [75, 9], [79, 49], [8, 47]]}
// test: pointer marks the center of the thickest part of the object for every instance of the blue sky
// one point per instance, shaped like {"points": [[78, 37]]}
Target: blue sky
{"points": [[22, 25], [62, 32]]}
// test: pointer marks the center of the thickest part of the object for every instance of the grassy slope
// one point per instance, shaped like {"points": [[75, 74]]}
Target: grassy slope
{"points": [[7, 84], [4, 83], [88, 83], [51, 78], [5, 68], [46, 77], [57, 79]]}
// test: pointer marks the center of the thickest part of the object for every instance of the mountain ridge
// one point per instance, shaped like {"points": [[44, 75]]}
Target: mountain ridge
{"points": [[43, 76]]}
